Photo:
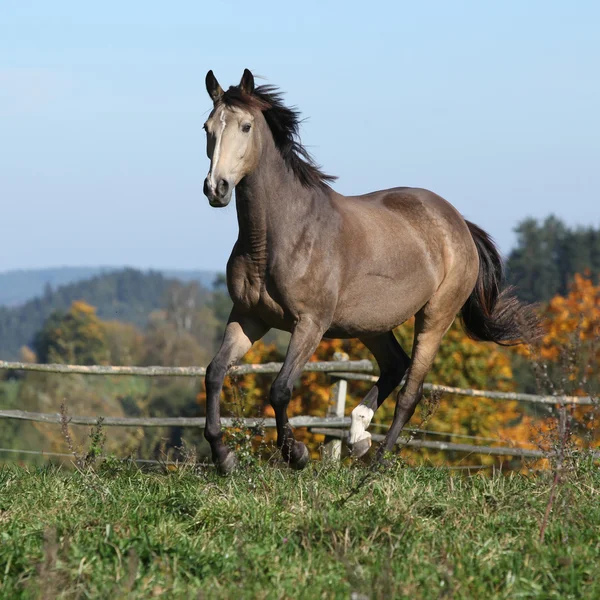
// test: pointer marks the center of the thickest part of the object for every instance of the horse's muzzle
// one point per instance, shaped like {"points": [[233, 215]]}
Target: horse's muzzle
{"points": [[220, 196]]}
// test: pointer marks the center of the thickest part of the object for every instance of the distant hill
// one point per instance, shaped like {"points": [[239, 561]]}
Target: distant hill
{"points": [[18, 287], [127, 295]]}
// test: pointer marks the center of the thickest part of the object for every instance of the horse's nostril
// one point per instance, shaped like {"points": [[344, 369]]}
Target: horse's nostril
{"points": [[206, 189], [223, 187]]}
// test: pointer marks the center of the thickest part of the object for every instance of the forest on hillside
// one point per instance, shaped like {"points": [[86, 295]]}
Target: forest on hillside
{"points": [[135, 318], [127, 295], [19, 286], [548, 254]]}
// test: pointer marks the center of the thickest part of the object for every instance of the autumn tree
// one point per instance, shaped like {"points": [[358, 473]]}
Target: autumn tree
{"points": [[574, 317], [461, 362], [125, 343], [164, 345], [74, 337], [568, 359]]}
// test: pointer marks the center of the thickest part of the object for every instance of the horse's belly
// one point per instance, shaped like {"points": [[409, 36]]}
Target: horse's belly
{"points": [[379, 305]]}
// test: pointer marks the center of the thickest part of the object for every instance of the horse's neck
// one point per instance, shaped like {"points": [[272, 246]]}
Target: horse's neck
{"points": [[272, 208]]}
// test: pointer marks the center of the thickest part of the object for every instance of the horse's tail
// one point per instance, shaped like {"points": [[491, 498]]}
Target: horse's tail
{"points": [[492, 315]]}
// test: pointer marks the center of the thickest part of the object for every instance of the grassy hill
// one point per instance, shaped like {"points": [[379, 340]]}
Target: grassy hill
{"points": [[18, 287], [268, 532], [127, 295]]}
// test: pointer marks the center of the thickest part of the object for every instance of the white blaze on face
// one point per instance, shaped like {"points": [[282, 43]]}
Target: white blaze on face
{"points": [[361, 419], [217, 151]]}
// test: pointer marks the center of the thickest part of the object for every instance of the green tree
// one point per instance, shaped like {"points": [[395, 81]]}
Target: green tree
{"points": [[75, 337], [127, 295], [547, 256], [165, 346], [125, 343]]}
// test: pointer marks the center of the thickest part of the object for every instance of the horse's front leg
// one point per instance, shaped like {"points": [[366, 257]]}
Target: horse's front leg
{"points": [[305, 339], [240, 334]]}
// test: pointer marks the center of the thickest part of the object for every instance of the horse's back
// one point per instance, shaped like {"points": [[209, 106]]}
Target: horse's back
{"points": [[417, 206], [397, 248], [403, 221]]}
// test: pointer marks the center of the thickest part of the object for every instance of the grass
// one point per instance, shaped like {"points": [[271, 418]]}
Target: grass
{"points": [[268, 532]]}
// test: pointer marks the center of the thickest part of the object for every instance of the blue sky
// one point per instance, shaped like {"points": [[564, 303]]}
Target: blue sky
{"points": [[494, 106]]}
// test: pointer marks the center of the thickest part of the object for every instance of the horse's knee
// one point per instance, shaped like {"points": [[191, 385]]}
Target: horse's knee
{"points": [[280, 394]]}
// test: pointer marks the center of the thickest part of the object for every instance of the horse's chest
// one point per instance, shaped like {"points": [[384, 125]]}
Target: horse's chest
{"points": [[250, 293]]}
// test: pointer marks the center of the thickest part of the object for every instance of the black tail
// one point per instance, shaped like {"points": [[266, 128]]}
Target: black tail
{"points": [[492, 315]]}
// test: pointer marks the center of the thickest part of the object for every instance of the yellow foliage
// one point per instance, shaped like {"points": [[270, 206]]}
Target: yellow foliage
{"points": [[460, 362], [577, 314], [570, 348]]}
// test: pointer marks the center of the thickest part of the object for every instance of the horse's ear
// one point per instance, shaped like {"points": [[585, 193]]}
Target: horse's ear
{"points": [[212, 87], [247, 82]]}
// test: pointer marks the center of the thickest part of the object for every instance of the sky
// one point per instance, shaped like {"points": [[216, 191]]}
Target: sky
{"points": [[493, 105]]}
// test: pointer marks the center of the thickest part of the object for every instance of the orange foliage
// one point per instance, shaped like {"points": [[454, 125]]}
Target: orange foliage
{"points": [[76, 336], [460, 362], [577, 314], [571, 350]]}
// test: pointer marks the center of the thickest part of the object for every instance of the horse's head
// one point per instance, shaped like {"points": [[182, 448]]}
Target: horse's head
{"points": [[233, 139]]}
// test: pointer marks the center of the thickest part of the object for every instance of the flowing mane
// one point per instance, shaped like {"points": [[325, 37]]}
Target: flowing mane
{"points": [[284, 123], [322, 265]]}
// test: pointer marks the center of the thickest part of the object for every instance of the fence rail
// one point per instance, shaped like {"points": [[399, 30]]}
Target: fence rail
{"points": [[360, 370], [340, 370], [56, 418], [271, 368], [468, 448]]}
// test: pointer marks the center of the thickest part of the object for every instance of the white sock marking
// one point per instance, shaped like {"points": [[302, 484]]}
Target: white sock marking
{"points": [[361, 419]]}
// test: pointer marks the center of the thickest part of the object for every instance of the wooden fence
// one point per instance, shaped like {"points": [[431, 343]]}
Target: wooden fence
{"points": [[334, 426]]}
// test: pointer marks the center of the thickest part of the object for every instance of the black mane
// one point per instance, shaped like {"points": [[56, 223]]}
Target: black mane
{"points": [[284, 123]]}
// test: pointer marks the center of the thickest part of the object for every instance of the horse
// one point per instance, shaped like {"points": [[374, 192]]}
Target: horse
{"points": [[317, 264]]}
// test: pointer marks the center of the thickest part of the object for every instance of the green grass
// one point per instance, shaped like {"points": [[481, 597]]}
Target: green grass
{"points": [[268, 532]]}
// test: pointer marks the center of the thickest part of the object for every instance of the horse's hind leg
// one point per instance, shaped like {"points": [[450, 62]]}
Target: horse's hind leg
{"points": [[393, 362], [305, 339], [431, 324], [240, 334]]}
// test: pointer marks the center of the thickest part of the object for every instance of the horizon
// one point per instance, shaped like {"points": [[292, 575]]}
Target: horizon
{"points": [[103, 158], [20, 286], [107, 267]]}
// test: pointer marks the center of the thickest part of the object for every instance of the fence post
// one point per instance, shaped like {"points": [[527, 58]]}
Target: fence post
{"points": [[337, 407]]}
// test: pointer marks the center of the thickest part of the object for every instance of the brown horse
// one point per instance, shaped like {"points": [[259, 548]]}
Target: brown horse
{"points": [[318, 264]]}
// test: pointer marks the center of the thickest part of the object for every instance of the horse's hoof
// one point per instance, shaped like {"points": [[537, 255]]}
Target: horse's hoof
{"points": [[383, 458], [228, 464], [361, 447], [299, 456]]}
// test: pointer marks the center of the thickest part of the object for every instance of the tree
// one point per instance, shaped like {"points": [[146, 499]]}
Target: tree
{"points": [[567, 361], [188, 310], [127, 295], [461, 362], [182, 303], [75, 337], [547, 256], [125, 343], [164, 346], [574, 317]]}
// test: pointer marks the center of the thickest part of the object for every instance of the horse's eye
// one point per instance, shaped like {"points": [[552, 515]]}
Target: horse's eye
{"points": [[246, 127]]}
